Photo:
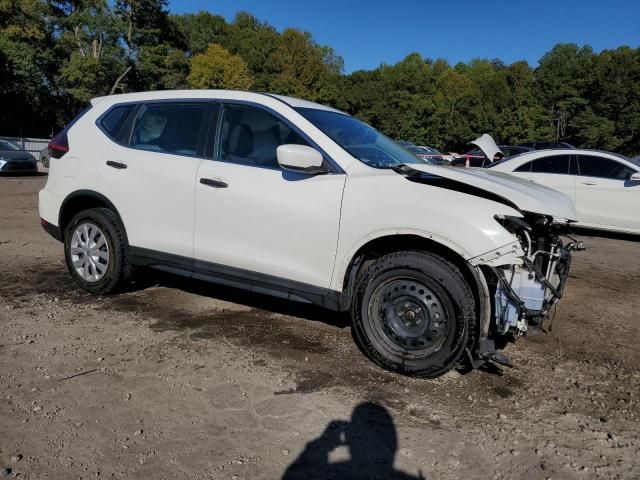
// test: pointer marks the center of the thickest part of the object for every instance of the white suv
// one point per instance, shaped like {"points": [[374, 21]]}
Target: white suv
{"points": [[294, 199]]}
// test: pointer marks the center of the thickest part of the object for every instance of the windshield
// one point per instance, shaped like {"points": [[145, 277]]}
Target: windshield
{"points": [[7, 145], [359, 139]]}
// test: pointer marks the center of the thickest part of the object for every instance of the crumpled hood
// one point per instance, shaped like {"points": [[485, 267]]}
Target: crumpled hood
{"points": [[525, 194]]}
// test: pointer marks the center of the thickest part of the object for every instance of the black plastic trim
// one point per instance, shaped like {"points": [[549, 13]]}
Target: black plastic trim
{"points": [[52, 230], [86, 193], [237, 278]]}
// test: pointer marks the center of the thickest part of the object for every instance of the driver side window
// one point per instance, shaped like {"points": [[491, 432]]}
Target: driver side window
{"points": [[251, 136]]}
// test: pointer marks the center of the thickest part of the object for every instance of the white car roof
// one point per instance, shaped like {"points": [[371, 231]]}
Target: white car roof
{"points": [[300, 103], [213, 94]]}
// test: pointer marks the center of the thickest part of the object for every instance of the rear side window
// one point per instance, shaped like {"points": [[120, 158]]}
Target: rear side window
{"points": [[114, 121], [552, 164], [573, 166], [593, 166], [169, 127], [525, 167]]}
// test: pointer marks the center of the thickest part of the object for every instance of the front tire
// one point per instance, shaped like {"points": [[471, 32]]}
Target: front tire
{"points": [[413, 313], [96, 251]]}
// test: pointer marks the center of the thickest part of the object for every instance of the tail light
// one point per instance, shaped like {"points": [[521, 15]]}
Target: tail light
{"points": [[59, 145]]}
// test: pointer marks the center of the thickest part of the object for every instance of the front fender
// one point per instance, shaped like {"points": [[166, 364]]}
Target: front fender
{"points": [[343, 262], [464, 224]]}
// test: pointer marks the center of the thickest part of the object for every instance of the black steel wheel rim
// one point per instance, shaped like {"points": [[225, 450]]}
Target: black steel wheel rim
{"points": [[408, 315]]}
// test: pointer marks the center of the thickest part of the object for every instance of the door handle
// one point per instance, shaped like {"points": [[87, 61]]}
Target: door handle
{"points": [[118, 165], [588, 183], [210, 182]]}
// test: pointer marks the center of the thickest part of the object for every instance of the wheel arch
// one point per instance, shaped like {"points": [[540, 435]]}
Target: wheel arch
{"points": [[82, 200], [393, 242]]}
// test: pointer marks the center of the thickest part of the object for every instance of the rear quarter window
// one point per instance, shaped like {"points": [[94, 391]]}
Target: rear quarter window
{"points": [[114, 121], [558, 164]]}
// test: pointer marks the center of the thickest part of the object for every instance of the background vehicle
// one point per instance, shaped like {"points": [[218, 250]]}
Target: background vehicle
{"points": [[435, 154], [604, 186], [294, 199], [542, 145], [44, 157], [15, 160], [426, 154], [477, 158]]}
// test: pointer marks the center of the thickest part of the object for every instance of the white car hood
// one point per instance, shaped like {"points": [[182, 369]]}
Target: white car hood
{"points": [[487, 144], [525, 194]]}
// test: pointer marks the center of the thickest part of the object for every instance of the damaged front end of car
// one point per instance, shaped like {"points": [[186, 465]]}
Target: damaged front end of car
{"points": [[520, 282], [524, 282]]}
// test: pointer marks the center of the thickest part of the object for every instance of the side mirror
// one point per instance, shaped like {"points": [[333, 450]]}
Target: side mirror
{"points": [[635, 177], [301, 159]]}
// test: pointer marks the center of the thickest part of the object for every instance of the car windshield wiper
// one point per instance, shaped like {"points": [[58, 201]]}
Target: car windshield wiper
{"points": [[404, 169]]}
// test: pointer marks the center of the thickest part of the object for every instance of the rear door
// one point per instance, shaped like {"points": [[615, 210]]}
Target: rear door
{"points": [[554, 171], [149, 173], [604, 194]]}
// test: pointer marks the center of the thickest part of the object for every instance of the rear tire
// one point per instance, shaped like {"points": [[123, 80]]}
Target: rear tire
{"points": [[96, 251], [413, 313]]}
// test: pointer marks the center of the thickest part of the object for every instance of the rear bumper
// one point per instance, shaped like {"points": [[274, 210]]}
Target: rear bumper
{"points": [[49, 208]]}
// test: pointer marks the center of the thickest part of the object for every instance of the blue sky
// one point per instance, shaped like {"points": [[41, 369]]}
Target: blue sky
{"points": [[368, 33]]}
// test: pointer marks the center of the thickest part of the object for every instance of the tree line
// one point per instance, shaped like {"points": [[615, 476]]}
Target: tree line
{"points": [[55, 55]]}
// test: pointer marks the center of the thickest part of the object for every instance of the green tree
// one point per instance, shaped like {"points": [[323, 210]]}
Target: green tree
{"points": [[89, 42], [200, 30], [256, 43], [27, 67], [525, 118], [563, 76], [162, 67], [217, 68]]}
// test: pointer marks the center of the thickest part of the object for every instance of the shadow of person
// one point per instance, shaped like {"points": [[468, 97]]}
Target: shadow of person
{"points": [[372, 442]]}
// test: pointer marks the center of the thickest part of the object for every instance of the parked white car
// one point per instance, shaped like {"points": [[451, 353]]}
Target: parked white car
{"points": [[604, 186], [294, 199]]}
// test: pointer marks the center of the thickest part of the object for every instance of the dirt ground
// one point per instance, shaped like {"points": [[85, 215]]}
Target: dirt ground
{"points": [[188, 380]]}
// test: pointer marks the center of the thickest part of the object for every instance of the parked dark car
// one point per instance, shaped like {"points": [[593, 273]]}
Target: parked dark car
{"points": [[477, 158], [545, 145], [15, 160]]}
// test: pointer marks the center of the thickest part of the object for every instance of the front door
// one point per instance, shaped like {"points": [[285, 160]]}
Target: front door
{"points": [[256, 218]]}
